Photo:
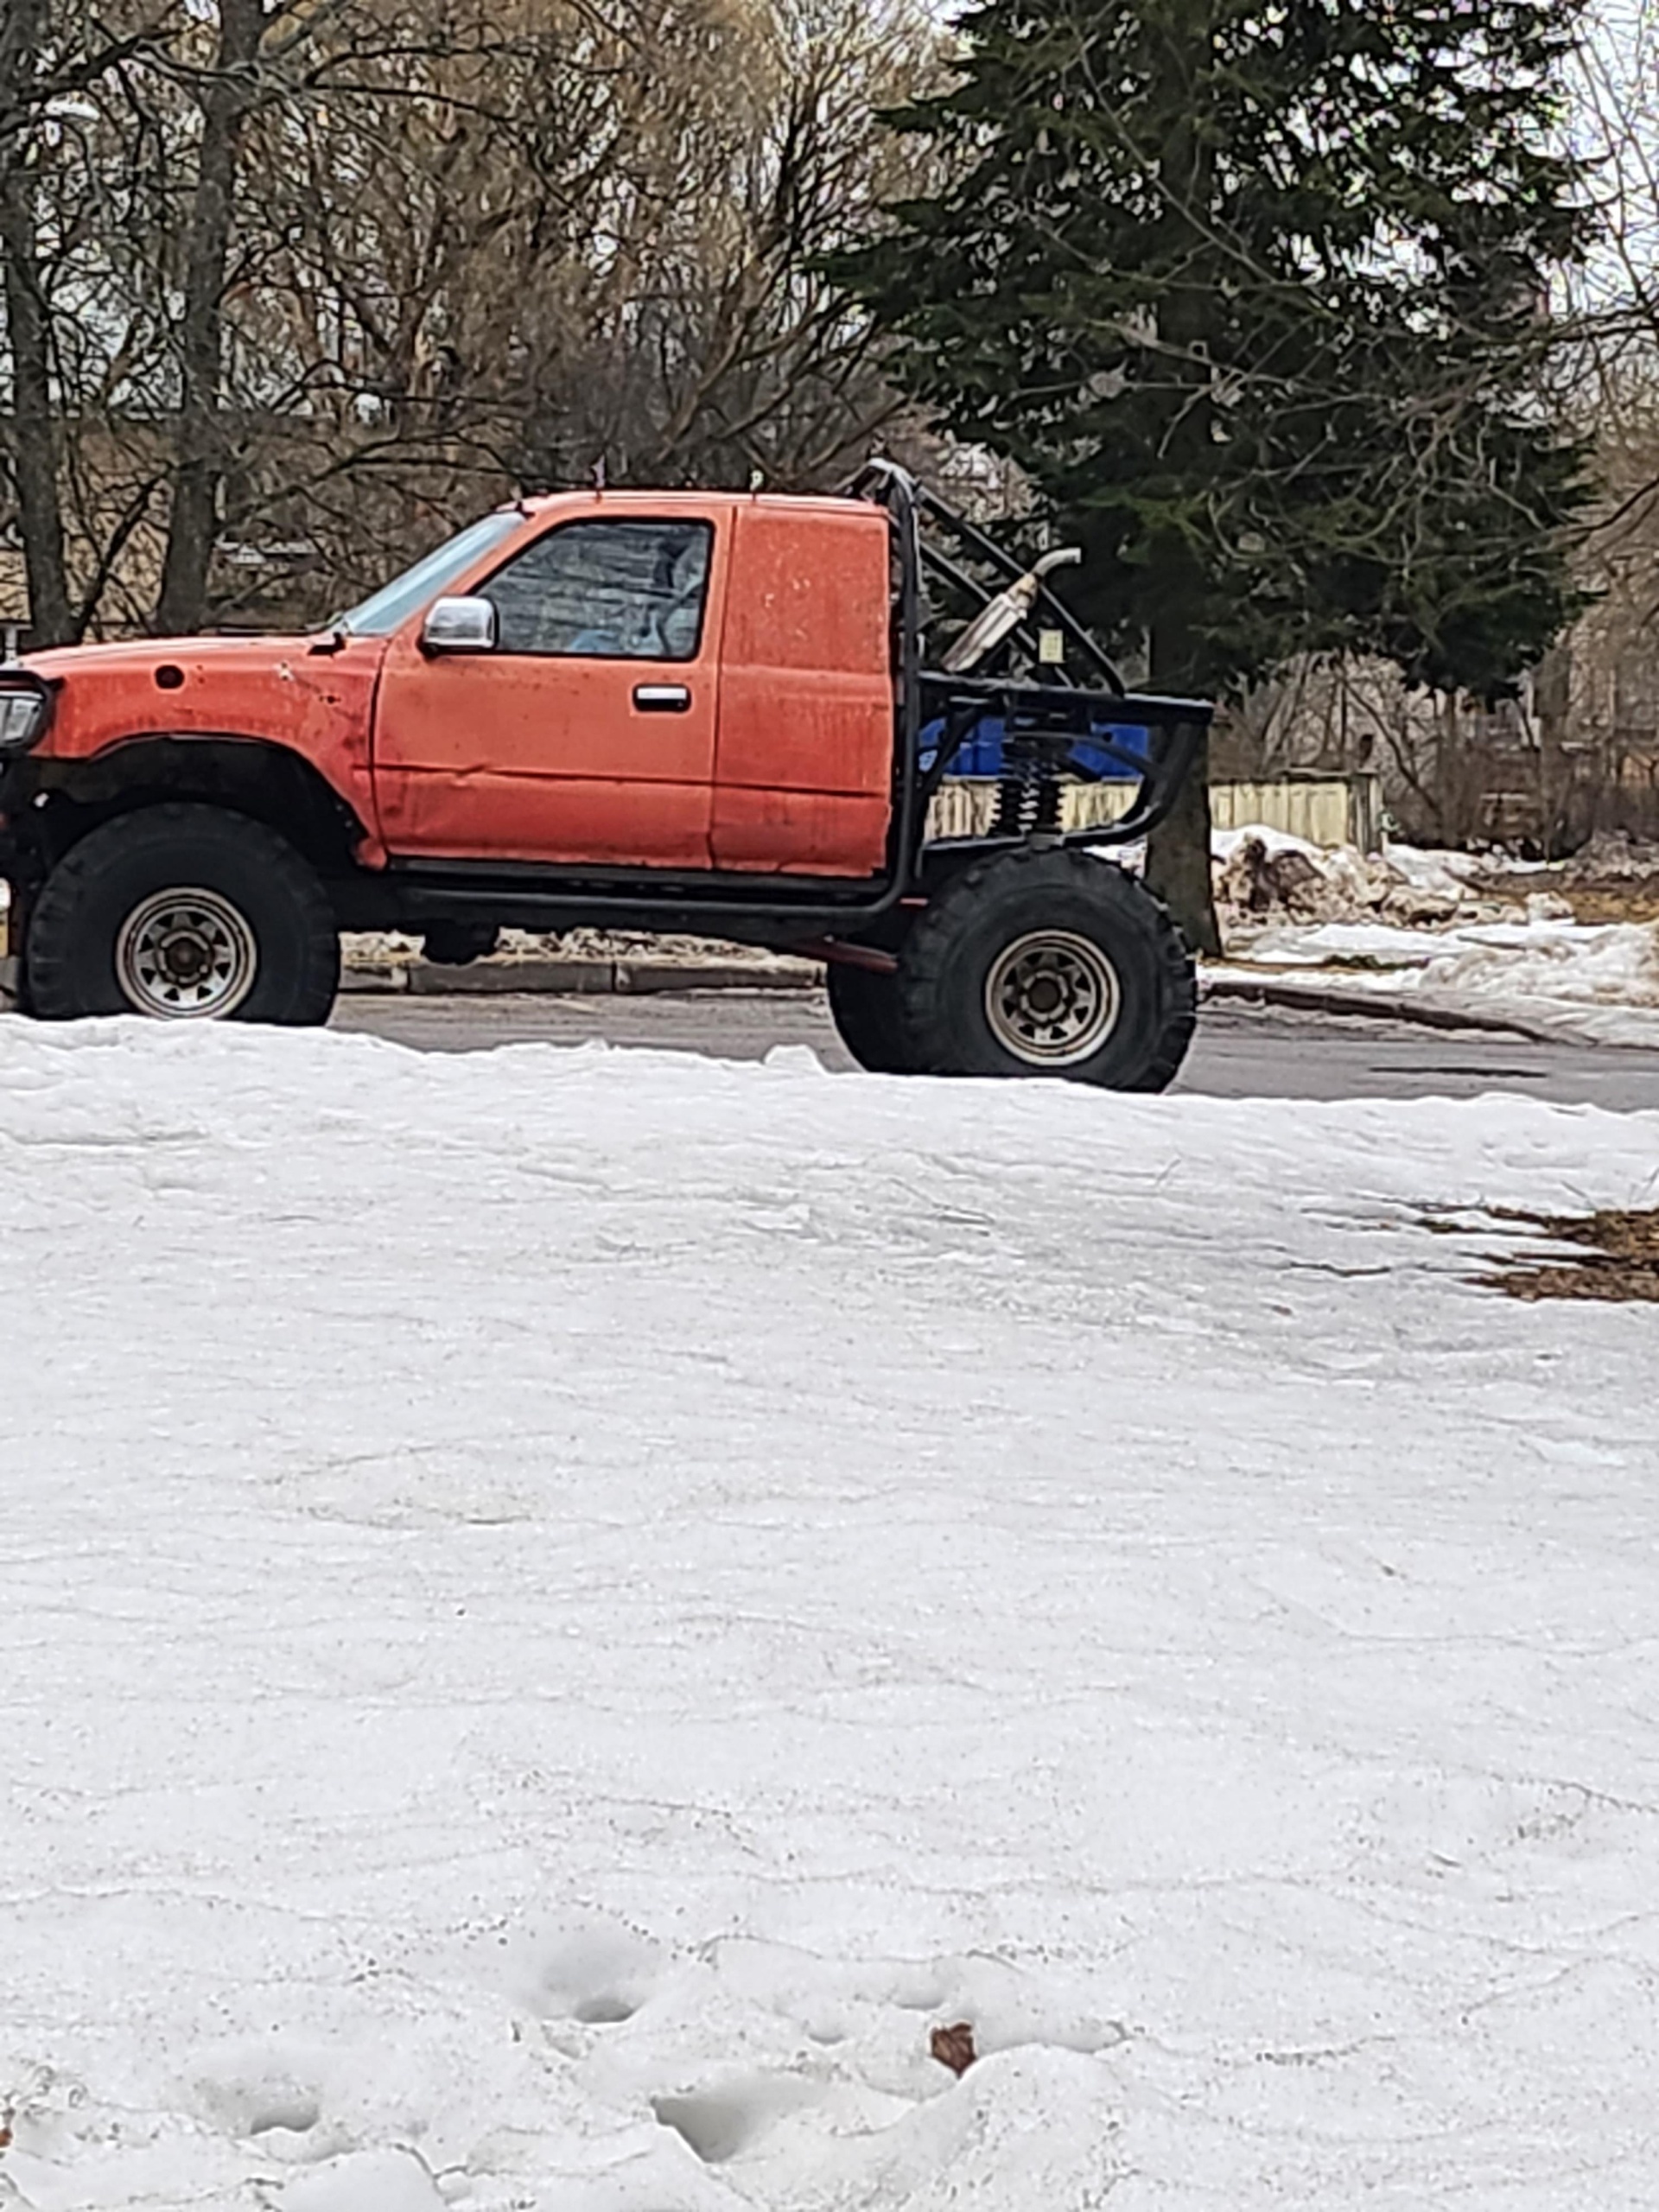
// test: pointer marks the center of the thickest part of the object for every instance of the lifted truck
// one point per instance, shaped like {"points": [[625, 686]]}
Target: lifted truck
{"points": [[697, 712]]}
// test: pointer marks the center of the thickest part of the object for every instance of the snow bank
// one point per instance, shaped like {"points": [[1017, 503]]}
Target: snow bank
{"points": [[1601, 983], [1598, 983], [1264, 877], [1423, 926], [562, 1609]]}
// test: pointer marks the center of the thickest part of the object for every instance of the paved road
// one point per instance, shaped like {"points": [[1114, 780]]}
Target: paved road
{"points": [[1241, 1051]]}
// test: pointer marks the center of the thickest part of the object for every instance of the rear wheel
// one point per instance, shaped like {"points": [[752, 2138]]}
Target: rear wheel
{"points": [[183, 913], [1046, 961], [869, 1018]]}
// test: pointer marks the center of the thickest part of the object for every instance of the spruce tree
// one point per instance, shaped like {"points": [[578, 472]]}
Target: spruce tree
{"points": [[1255, 293]]}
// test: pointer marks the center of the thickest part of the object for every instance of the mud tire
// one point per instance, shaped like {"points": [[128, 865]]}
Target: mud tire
{"points": [[71, 952], [1131, 1035]]}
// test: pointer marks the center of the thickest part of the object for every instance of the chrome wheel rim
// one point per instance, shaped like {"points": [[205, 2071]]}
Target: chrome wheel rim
{"points": [[1051, 998], [186, 955]]}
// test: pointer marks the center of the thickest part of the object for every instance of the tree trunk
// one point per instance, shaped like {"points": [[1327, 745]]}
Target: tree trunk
{"points": [[1178, 851], [34, 444], [1552, 699], [201, 448]]}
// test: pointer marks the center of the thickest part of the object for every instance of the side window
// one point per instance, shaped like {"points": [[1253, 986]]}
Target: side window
{"points": [[608, 591]]}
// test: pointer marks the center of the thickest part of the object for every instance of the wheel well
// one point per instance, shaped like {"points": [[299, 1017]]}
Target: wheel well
{"points": [[243, 775]]}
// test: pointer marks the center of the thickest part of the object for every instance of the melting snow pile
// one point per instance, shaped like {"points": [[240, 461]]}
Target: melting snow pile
{"points": [[1439, 927], [563, 1611], [1264, 878], [1599, 982]]}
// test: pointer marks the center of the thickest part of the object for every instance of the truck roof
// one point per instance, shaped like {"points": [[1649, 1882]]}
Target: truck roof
{"points": [[672, 504]]}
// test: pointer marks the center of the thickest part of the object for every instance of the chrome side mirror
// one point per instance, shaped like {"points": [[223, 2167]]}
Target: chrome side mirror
{"points": [[459, 625]]}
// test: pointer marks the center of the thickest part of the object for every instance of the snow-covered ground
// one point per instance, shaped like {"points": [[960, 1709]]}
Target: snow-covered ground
{"points": [[561, 1610], [1599, 983], [1454, 931]]}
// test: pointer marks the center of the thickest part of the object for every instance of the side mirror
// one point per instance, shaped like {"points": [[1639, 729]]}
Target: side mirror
{"points": [[459, 625]]}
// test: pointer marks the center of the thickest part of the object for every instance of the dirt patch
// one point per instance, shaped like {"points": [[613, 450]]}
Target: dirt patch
{"points": [[1616, 1257], [1614, 902], [1612, 879]]}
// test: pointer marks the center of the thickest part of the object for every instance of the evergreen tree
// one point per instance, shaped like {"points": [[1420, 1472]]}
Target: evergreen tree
{"points": [[1254, 291]]}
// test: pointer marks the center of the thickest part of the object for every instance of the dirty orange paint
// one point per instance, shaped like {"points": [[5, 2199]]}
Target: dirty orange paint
{"points": [[766, 748]]}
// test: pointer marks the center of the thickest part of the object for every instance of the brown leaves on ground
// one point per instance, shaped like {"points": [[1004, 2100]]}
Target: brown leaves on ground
{"points": [[1612, 879], [1617, 1260], [1633, 902], [954, 2047]]}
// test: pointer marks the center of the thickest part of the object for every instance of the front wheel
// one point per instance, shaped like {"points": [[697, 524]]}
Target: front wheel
{"points": [[1049, 961], [183, 913]]}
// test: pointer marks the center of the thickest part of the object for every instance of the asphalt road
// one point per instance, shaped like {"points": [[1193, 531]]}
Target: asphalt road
{"points": [[1241, 1051]]}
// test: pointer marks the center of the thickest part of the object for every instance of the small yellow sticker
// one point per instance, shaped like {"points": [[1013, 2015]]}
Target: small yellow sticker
{"points": [[1051, 647]]}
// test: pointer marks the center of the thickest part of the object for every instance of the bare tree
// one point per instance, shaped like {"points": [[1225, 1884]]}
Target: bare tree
{"points": [[33, 446], [308, 282], [229, 89]]}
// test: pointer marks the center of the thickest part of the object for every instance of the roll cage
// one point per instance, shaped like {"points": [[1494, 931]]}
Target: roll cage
{"points": [[1052, 731]]}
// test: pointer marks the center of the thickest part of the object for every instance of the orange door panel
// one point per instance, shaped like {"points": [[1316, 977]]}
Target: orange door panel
{"points": [[565, 744], [803, 768]]}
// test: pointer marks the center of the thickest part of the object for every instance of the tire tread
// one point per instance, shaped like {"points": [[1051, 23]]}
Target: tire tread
{"points": [[55, 942], [934, 939]]}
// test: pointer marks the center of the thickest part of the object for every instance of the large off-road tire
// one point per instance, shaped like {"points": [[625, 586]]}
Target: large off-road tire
{"points": [[184, 914], [1049, 961], [869, 1020]]}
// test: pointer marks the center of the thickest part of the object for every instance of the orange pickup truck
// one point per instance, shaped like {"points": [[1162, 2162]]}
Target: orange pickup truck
{"points": [[687, 711]]}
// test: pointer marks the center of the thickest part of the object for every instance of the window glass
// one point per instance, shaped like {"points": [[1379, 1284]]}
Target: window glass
{"points": [[606, 591], [379, 616]]}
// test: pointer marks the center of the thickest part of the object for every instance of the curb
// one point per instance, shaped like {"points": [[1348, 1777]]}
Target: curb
{"points": [[1373, 1005], [642, 978]]}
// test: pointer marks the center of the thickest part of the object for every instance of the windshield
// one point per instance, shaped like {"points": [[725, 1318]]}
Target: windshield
{"points": [[378, 616]]}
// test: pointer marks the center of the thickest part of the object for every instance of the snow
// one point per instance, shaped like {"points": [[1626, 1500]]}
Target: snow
{"points": [[1444, 870], [1427, 929], [561, 1610], [1596, 984], [1368, 879], [1262, 875], [1353, 945], [1225, 843], [1435, 870]]}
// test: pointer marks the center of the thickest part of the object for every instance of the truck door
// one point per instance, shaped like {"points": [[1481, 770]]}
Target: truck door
{"points": [[588, 735]]}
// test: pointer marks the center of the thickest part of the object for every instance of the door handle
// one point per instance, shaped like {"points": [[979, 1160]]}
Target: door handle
{"points": [[662, 698]]}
